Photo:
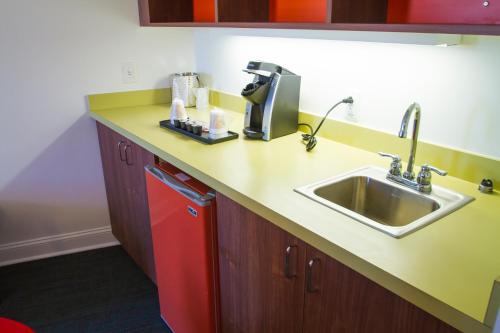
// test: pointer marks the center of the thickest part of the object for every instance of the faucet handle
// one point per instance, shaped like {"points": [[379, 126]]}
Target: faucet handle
{"points": [[396, 165], [424, 176], [427, 167], [394, 157]]}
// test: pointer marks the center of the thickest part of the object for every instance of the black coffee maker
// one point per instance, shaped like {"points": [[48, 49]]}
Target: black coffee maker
{"points": [[273, 101]]}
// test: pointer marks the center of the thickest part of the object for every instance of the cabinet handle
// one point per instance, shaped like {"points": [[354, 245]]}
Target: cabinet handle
{"points": [[309, 277], [176, 185], [120, 150], [126, 156], [288, 253]]}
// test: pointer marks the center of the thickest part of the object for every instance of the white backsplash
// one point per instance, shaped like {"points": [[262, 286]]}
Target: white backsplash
{"points": [[457, 87]]}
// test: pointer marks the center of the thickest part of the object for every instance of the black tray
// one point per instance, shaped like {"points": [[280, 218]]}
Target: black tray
{"points": [[204, 137]]}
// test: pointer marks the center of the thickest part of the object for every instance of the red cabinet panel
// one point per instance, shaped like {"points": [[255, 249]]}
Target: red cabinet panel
{"points": [[204, 10], [444, 11], [297, 11]]}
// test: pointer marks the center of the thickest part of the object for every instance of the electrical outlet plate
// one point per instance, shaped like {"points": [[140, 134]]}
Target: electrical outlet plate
{"points": [[129, 73], [352, 110], [350, 115]]}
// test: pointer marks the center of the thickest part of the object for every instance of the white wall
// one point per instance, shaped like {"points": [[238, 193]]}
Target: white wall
{"points": [[458, 87], [52, 54]]}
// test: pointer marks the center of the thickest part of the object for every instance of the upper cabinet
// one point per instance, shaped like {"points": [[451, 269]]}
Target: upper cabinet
{"points": [[439, 16], [444, 12]]}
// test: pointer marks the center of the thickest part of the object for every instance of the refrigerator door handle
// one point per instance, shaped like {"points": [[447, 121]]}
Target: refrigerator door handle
{"points": [[200, 200]]}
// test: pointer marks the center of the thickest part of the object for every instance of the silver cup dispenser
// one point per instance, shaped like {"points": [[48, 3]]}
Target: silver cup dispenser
{"points": [[273, 101]]}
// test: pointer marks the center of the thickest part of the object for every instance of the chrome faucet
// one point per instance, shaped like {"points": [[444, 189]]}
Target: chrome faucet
{"points": [[423, 181], [409, 174]]}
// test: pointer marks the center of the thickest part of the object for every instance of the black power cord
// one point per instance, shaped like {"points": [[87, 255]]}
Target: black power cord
{"points": [[310, 139]]}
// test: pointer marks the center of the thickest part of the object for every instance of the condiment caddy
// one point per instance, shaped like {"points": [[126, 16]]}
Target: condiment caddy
{"points": [[180, 123], [203, 136]]}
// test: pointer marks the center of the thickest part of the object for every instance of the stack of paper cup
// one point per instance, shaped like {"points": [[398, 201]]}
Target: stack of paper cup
{"points": [[178, 111], [202, 98], [218, 124]]}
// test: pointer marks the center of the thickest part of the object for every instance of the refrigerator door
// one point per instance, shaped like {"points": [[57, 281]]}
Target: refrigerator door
{"points": [[182, 223]]}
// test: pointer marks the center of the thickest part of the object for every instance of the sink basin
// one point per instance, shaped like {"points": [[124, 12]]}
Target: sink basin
{"points": [[378, 201], [367, 196]]}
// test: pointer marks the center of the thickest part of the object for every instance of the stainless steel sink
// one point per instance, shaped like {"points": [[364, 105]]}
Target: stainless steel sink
{"points": [[367, 196]]}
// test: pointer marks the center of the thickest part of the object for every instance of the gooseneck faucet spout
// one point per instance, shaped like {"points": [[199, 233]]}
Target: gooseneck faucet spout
{"points": [[409, 174], [422, 183]]}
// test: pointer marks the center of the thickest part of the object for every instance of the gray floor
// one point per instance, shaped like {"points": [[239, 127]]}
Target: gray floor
{"points": [[94, 291]]}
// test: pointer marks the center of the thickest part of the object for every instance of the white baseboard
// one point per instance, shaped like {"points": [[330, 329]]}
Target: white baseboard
{"points": [[51, 246]]}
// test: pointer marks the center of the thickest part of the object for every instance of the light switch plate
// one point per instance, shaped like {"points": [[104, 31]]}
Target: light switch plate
{"points": [[129, 73]]}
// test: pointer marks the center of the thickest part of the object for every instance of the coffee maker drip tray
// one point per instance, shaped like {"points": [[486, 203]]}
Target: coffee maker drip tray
{"points": [[253, 134]]}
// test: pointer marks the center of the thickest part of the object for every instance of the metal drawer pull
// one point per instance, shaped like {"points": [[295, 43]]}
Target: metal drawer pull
{"points": [[120, 151], [310, 286], [126, 155], [288, 253], [200, 200]]}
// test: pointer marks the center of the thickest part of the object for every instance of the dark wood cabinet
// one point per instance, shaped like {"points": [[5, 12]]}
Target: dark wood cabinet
{"points": [[170, 11], [273, 282], [243, 10], [261, 283], [123, 164], [366, 11], [338, 299]]}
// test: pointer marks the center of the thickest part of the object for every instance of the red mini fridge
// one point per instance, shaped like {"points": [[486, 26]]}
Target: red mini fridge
{"points": [[182, 214]]}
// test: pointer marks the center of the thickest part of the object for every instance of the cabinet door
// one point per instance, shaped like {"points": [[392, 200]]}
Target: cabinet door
{"points": [[112, 156], [140, 240], [123, 165], [339, 299], [261, 273]]}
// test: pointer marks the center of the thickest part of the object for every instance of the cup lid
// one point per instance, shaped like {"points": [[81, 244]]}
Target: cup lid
{"points": [[186, 74]]}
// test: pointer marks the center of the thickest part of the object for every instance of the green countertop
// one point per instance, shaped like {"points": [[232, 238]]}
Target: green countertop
{"points": [[448, 268]]}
